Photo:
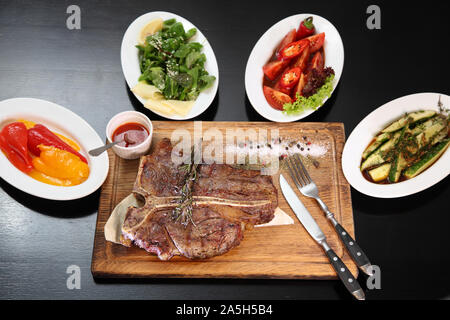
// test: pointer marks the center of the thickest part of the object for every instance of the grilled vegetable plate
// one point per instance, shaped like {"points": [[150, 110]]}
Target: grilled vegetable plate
{"points": [[401, 148]]}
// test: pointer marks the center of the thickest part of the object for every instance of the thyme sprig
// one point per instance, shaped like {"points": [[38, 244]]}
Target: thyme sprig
{"points": [[183, 211]]}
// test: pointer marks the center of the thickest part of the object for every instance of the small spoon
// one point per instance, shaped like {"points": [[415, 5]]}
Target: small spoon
{"points": [[98, 151]]}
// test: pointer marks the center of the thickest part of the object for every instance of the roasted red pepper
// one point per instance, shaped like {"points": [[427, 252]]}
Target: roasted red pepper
{"points": [[290, 78], [13, 142], [306, 28], [39, 134], [293, 49]]}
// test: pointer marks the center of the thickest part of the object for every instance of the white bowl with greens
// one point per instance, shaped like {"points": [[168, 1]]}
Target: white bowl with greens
{"points": [[401, 148], [200, 89]]}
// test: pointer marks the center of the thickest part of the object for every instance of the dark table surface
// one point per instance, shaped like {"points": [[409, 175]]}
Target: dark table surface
{"points": [[80, 69]]}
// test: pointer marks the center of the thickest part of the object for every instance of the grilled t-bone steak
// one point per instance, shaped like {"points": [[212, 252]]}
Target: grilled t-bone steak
{"points": [[226, 200]]}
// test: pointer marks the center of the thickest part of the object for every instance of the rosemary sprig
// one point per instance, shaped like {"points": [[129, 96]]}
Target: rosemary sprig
{"points": [[183, 212]]}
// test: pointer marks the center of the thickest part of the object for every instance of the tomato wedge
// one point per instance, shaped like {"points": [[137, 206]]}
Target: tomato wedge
{"points": [[302, 61], [278, 87], [273, 69], [290, 78], [275, 98], [300, 85], [316, 42], [317, 62], [293, 49], [289, 38]]}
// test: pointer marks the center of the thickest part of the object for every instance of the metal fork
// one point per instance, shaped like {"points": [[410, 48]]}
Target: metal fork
{"points": [[309, 189]]}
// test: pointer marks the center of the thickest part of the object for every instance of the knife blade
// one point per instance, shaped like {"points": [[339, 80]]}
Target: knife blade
{"points": [[300, 211], [317, 234]]}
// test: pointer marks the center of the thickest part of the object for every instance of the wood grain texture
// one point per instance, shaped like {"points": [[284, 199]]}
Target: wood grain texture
{"points": [[269, 252]]}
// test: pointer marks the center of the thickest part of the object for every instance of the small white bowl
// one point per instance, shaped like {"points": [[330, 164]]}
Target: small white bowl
{"points": [[119, 119]]}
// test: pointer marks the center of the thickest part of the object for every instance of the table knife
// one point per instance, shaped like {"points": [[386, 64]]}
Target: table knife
{"points": [[317, 234]]}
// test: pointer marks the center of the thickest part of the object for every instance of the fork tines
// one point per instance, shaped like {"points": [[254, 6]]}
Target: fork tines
{"points": [[298, 171]]}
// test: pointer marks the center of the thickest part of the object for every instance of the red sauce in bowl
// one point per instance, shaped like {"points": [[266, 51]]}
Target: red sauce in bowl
{"points": [[131, 134]]}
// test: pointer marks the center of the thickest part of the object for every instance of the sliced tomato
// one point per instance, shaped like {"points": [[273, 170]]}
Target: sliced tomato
{"points": [[300, 85], [316, 42], [278, 87], [317, 62], [275, 98], [273, 69], [293, 50], [289, 38], [302, 61]]}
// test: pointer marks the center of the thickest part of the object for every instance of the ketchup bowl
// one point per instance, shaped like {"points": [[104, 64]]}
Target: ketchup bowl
{"points": [[134, 129]]}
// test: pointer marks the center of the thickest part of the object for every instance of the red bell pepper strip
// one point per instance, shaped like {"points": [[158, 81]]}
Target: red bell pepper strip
{"points": [[16, 137], [40, 134], [293, 49], [14, 157], [290, 78], [306, 28]]}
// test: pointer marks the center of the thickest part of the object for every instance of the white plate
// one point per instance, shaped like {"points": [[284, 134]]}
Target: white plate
{"points": [[63, 121], [263, 50], [132, 72], [379, 119]]}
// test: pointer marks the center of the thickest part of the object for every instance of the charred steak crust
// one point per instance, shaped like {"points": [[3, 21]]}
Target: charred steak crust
{"points": [[226, 201]]}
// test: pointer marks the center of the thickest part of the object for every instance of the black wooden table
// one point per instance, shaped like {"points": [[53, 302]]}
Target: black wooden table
{"points": [[80, 69]]}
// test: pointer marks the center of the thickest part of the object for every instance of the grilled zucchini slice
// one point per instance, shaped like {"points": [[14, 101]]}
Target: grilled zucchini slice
{"points": [[378, 157], [382, 138], [427, 160], [399, 162], [408, 119]]}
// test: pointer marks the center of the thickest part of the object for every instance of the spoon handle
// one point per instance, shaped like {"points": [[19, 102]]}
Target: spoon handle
{"points": [[98, 151]]}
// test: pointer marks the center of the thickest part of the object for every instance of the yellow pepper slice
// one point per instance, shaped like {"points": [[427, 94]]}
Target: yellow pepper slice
{"points": [[61, 164], [42, 177]]}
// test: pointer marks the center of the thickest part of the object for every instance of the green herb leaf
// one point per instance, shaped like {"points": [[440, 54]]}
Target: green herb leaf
{"points": [[302, 104], [174, 65]]}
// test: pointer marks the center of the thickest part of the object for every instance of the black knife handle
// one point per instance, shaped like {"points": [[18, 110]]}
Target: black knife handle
{"points": [[354, 250], [344, 274]]}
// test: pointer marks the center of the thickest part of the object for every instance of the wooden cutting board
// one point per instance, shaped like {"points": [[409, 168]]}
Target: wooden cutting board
{"points": [[286, 251]]}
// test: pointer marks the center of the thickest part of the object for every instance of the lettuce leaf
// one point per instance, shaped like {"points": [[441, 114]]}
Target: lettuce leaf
{"points": [[302, 104]]}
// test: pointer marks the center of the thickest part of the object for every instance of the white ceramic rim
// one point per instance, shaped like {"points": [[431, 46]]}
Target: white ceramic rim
{"points": [[110, 131], [263, 50], [130, 62], [376, 121], [66, 122]]}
